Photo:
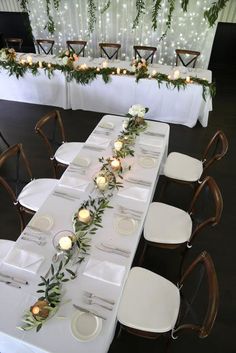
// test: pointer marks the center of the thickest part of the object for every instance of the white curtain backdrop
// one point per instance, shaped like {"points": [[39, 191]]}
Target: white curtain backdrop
{"points": [[188, 30]]}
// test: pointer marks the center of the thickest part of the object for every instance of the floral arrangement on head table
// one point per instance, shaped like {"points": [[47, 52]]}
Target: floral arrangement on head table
{"points": [[68, 57]]}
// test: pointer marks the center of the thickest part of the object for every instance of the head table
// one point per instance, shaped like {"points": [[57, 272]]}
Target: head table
{"points": [[167, 104], [139, 185]]}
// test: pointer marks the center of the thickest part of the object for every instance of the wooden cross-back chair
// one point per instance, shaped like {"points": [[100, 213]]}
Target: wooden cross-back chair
{"points": [[4, 140], [152, 306], [61, 153], [149, 52], [28, 194], [15, 43], [182, 55], [45, 46], [77, 46], [205, 210], [105, 47]]}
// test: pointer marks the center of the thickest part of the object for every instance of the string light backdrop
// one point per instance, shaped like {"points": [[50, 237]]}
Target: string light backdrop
{"points": [[189, 30]]}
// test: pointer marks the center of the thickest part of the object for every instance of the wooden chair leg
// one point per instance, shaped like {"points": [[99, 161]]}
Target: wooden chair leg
{"points": [[164, 188], [142, 255]]}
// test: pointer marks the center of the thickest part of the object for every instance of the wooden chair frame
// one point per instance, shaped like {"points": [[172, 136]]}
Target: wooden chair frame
{"points": [[82, 43], [149, 57], [50, 142], [202, 330], [40, 42], [16, 42], [180, 52], [4, 140], [109, 45], [18, 152]]}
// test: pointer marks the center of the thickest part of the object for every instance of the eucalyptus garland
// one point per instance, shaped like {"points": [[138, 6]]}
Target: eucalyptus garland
{"points": [[91, 15], [140, 7], [184, 5], [212, 14], [106, 7], [155, 11], [171, 4]]}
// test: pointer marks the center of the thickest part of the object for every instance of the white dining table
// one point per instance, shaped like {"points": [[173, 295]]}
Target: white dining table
{"points": [[56, 334], [166, 104]]}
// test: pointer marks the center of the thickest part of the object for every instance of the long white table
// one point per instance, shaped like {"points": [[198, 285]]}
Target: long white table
{"points": [[55, 335], [184, 106]]}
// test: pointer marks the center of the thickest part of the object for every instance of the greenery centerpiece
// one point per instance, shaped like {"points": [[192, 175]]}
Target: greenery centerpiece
{"points": [[106, 178], [140, 66], [68, 57]]}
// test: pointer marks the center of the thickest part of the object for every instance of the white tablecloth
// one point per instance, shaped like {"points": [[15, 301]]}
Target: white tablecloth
{"points": [[55, 336], [185, 106]]}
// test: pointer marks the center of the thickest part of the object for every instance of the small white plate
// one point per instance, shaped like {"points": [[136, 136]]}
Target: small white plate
{"points": [[147, 162], [85, 326], [125, 225], [42, 222], [106, 125], [82, 161]]}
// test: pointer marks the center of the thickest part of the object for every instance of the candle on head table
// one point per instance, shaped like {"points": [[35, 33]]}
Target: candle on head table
{"points": [[176, 74], [49, 65], [188, 79], [40, 64], [98, 69], [65, 243], [84, 215], [104, 64], [115, 164], [118, 145], [154, 72], [29, 59], [118, 70], [124, 72]]}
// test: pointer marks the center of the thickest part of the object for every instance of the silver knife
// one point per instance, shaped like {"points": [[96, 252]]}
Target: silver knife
{"points": [[89, 311], [9, 283], [18, 280]]}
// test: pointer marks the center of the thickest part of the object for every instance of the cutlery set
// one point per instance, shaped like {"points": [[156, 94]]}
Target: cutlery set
{"points": [[112, 250], [12, 281], [138, 181], [37, 241], [65, 196]]}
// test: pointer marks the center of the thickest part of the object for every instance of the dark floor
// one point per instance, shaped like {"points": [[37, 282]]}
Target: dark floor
{"points": [[17, 121]]}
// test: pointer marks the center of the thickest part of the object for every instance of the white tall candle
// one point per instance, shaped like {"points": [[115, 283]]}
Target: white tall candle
{"points": [[84, 215]]}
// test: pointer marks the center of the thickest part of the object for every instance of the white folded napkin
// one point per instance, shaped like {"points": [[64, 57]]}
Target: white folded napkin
{"points": [[23, 259], [156, 141], [135, 193], [98, 141], [105, 271], [74, 182]]}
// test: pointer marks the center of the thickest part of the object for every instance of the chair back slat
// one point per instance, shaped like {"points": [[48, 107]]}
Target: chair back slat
{"points": [[215, 150], [149, 52], [184, 53], [45, 46], [104, 47], [77, 46], [15, 43]]}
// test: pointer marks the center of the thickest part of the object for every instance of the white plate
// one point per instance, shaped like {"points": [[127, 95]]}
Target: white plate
{"points": [[106, 125], [147, 162], [85, 326], [125, 225], [82, 161], [42, 222]]}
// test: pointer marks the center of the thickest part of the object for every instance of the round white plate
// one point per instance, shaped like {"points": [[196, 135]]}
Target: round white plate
{"points": [[42, 222], [82, 161], [85, 326], [125, 225], [106, 125], [147, 162]]}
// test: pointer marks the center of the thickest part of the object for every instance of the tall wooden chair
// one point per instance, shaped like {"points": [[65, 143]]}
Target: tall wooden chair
{"points": [[77, 46], [110, 50], [45, 46], [144, 52], [15, 43], [61, 153], [186, 57], [152, 306]]}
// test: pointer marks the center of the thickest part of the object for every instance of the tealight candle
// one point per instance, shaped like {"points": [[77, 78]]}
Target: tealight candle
{"points": [[49, 65], [84, 215], [104, 64], [101, 182], [169, 77], [118, 70], [65, 243], [40, 64], [118, 145], [35, 310], [124, 72], [98, 69], [154, 72], [29, 58], [188, 79], [176, 74], [115, 164], [22, 61]]}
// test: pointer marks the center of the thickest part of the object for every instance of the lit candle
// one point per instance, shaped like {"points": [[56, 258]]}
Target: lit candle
{"points": [[124, 72], [49, 65], [169, 77], [101, 182], [83, 66], [118, 70], [22, 61], [35, 310], [65, 243], [98, 69], [40, 64], [176, 74], [118, 145], [187, 79], [84, 215], [29, 58], [154, 72], [104, 64], [115, 164]]}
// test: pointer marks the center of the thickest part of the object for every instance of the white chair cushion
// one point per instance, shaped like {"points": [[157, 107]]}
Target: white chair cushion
{"points": [[68, 151], [182, 167], [167, 224], [36, 192], [5, 247], [149, 302]]}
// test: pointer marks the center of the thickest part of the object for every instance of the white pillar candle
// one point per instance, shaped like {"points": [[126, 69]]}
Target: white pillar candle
{"points": [[187, 79], [29, 58], [98, 69], [118, 145], [104, 64], [176, 74], [169, 77], [65, 243], [115, 164], [22, 61], [49, 65], [124, 72], [101, 182], [40, 64], [118, 70], [154, 72], [84, 215]]}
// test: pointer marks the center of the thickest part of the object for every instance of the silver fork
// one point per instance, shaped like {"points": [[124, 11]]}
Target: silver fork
{"points": [[94, 302], [38, 242], [91, 296]]}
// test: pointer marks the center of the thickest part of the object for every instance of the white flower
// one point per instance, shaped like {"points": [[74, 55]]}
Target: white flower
{"points": [[3, 56], [65, 60], [137, 110], [125, 123]]}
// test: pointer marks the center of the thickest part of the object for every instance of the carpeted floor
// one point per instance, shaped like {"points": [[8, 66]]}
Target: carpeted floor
{"points": [[17, 121]]}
